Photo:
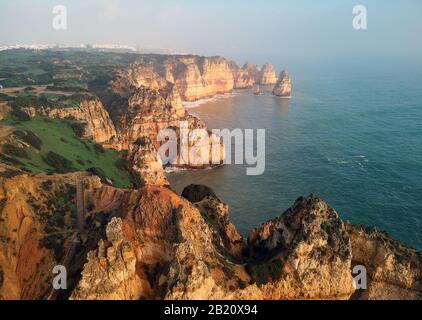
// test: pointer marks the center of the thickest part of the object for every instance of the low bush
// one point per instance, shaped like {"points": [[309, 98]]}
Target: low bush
{"points": [[99, 148], [15, 151], [78, 128], [99, 173], [18, 115], [61, 164], [30, 138]]}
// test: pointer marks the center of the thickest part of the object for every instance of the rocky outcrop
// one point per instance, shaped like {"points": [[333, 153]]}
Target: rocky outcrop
{"points": [[283, 87], [243, 78], [4, 110], [309, 245], [110, 272], [394, 270], [147, 163], [216, 213], [36, 216], [253, 71], [267, 76]]}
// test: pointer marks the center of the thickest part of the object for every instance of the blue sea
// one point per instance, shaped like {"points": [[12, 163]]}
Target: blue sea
{"points": [[352, 134]]}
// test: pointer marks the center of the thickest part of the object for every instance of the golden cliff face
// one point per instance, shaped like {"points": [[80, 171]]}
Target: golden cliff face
{"points": [[197, 77], [146, 111], [268, 75], [283, 87], [153, 244]]}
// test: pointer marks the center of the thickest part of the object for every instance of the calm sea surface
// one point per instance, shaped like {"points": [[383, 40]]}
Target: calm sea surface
{"points": [[353, 136]]}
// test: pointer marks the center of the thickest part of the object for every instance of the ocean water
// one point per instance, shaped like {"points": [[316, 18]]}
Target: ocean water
{"points": [[351, 135]]}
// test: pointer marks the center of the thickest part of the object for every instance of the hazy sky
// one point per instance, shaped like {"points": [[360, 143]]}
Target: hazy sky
{"points": [[292, 28]]}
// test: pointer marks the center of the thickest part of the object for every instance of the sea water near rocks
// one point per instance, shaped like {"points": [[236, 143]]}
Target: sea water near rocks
{"points": [[350, 134]]}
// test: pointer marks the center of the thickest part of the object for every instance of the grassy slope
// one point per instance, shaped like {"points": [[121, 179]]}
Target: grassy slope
{"points": [[57, 136]]}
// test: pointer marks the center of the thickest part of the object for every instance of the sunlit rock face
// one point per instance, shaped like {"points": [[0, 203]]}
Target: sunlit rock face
{"points": [[243, 78], [151, 243], [146, 107], [253, 71], [283, 87], [268, 75]]}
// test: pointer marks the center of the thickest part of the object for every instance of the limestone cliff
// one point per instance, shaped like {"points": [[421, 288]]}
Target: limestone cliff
{"points": [[110, 271], [283, 87], [243, 78], [147, 163], [267, 75], [153, 244], [253, 71], [144, 112]]}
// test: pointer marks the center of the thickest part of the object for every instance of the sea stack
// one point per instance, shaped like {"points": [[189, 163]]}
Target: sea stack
{"points": [[252, 70], [283, 87], [268, 75]]}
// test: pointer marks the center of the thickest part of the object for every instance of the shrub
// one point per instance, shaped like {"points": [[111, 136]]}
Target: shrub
{"points": [[121, 164], [78, 128], [58, 162], [261, 273], [15, 151], [99, 173], [99, 148], [8, 173], [18, 115], [30, 138]]}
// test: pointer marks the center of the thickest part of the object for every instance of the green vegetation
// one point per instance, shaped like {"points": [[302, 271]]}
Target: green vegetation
{"points": [[263, 272], [15, 151], [19, 115], [61, 150], [29, 137], [60, 208]]}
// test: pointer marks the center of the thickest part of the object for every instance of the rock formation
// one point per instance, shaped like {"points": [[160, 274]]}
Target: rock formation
{"points": [[4, 110], [147, 163], [90, 111], [253, 70], [267, 75], [110, 272], [195, 77], [283, 87], [153, 244], [144, 112], [394, 270], [149, 242], [243, 78]]}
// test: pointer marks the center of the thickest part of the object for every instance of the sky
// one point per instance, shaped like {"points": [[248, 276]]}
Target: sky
{"points": [[301, 29]]}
